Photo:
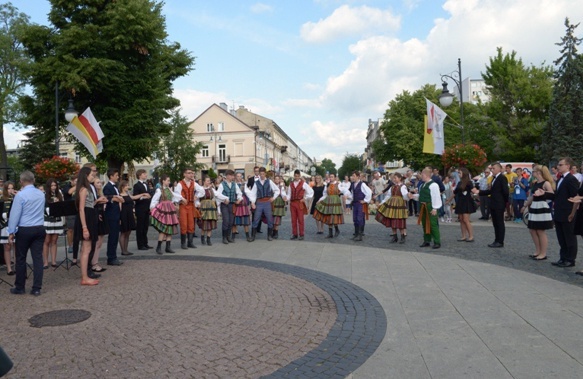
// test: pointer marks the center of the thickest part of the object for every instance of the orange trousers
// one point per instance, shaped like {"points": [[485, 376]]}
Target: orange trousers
{"points": [[186, 217]]}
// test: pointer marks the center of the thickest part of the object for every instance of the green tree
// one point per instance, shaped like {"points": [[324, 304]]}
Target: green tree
{"points": [[565, 123], [326, 166], [12, 62], [350, 162], [39, 145], [16, 167], [520, 97], [113, 56], [178, 150]]}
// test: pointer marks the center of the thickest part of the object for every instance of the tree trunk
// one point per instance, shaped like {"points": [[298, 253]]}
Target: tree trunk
{"points": [[3, 155]]}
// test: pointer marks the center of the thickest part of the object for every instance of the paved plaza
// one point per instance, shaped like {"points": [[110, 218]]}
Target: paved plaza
{"points": [[313, 308]]}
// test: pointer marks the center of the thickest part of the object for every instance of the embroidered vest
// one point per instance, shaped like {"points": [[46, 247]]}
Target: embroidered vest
{"points": [[187, 192], [332, 189], [357, 193], [297, 193], [230, 192], [425, 193], [263, 190]]}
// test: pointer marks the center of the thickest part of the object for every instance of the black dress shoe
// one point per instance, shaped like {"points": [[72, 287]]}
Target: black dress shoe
{"points": [[143, 248], [148, 247], [425, 244], [17, 291], [127, 253], [116, 262], [436, 246], [496, 244], [566, 264], [35, 292], [559, 262], [579, 273], [93, 275]]}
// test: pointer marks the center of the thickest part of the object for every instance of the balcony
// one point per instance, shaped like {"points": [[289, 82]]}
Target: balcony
{"points": [[219, 159]]}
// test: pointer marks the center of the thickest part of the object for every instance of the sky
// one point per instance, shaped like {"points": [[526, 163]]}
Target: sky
{"points": [[322, 68]]}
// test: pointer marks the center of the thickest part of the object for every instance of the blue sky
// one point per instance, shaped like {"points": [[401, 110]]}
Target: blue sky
{"points": [[322, 68]]}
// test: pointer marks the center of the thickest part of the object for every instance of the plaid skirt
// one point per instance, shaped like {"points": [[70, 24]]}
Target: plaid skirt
{"points": [[329, 211], [278, 207]]}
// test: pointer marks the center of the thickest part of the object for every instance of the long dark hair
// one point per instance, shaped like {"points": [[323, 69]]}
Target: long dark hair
{"points": [[82, 182], [5, 195], [49, 194], [162, 192], [465, 178]]}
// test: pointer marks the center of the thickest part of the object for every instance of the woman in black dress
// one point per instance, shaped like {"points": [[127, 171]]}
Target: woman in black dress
{"points": [[86, 221], [465, 204], [318, 193], [128, 222], [102, 226]]}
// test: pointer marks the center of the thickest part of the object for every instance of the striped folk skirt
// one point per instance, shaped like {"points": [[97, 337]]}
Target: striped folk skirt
{"points": [[393, 213], [164, 219], [278, 207], [209, 216], [329, 211]]}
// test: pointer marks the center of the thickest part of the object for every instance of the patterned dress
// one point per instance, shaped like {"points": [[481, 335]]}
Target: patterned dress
{"points": [[242, 212], [278, 206], [539, 212], [163, 216], [208, 210], [329, 211], [4, 231], [392, 213], [53, 225]]}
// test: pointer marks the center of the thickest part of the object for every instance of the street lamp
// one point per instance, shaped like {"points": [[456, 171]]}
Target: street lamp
{"points": [[70, 114], [216, 138], [446, 98]]}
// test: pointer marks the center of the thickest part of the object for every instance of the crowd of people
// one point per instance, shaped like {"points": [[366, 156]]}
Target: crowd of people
{"points": [[548, 199]]}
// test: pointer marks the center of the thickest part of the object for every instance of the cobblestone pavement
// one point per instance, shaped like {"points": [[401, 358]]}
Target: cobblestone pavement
{"points": [[313, 308]]}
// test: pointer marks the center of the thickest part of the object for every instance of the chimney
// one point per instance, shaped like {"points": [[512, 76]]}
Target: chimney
{"points": [[224, 106]]}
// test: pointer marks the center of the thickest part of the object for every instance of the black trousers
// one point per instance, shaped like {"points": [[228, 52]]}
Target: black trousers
{"points": [[485, 206], [29, 237], [498, 222], [113, 238], [567, 240], [142, 224], [228, 216]]}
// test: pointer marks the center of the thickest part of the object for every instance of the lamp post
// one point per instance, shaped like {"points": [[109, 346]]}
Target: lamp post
{"points": [[216, 136], [446, 98], [70, 114]]}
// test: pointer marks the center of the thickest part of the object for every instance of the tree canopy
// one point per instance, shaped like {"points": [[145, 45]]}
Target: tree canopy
{"points": [[13, 61], [564, 127], [114, 57], [326, 166], [350, 163]]}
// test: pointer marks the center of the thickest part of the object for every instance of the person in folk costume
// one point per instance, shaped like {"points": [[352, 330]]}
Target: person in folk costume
{"points": [[262, 194], [360, 194], [329, 208], [188, 192], [298, 193], [242, 212], [318, 189], [429, 201], [250, 182], [278, 205], [228, 195], [163, 214], [208, 210], [393, 212]]}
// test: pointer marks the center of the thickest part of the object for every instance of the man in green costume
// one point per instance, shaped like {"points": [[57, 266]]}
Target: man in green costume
{"points": [[429, 202]]}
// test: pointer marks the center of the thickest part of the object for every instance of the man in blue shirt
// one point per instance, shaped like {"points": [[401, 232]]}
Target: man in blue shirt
{"points": [[27, 224]]}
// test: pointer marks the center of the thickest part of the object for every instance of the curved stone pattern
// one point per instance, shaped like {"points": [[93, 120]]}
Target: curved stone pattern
{"points": [[358, 331], [59, 317]]}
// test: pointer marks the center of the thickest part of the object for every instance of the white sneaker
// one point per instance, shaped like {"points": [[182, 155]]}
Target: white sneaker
{"points": [[442, 220]]}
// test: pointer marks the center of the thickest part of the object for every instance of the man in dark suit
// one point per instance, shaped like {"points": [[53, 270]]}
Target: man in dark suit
{"points": [[250, 184], [498, 193], [142, 208], [564, 215], [112, 215]]}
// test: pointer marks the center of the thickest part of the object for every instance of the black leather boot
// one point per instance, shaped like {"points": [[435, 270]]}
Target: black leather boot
{"points": [[248, 237], [190, 239], [269, 234], [202, 240], [208, 241], [336, 231], [230, 236], [403, 237], [395, 238], [159, 248], [358, 237], [253, 233], [330, 235], [183, 242], [168, 248], [355, 232], [225, 240], [275, 234]]}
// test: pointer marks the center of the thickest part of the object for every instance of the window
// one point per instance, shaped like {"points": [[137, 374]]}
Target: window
{"points": [[209, 128], [221, 126], [222, 153], [63, 154], [205, 151], [77, 158]]}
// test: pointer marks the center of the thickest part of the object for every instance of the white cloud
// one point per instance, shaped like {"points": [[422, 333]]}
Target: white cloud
{"points": [[193, 102], [13, 137], [347, 21], [261, 8]]}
